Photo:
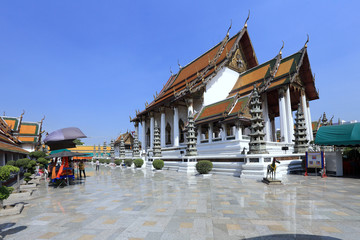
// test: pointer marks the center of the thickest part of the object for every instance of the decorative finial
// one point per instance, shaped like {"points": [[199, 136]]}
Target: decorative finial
{"points": [[245, 25], [227, 34], [171, 71], [179, 64], [281, 48], [4, 113], [307, 40]]}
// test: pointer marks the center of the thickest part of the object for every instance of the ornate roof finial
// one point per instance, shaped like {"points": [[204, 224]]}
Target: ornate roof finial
{"points": [[245, 25], [171, 71], [179, 64], [227, 34], [280, 52], [307, 40]]}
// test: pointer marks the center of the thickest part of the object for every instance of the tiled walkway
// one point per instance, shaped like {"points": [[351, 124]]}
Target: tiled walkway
{"points": [[141, 204]]}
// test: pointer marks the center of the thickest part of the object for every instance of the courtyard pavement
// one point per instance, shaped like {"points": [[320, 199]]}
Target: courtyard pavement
{"points": [[142, 204]]}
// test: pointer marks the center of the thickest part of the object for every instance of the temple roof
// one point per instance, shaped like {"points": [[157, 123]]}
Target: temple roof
{"points": [[8, 142], [128, 138], [12, 148], [276, 73], [233, 107], [192, 77], [26, 132]]}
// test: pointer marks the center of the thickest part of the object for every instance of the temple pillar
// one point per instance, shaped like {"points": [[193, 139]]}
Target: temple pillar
{"points": [[283, 122], [151, 130], [176, 127], [162, 129], [310, 122], [289, 116], [238, 133], [143, 134], [210, 132], [304, 109], [266, 118]]}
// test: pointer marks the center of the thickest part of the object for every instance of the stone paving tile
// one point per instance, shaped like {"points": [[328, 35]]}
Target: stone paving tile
{"points": [[141, 204]]}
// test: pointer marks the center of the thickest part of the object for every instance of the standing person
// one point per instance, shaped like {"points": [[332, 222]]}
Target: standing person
{"points": [[82, 168], [97, 165]]}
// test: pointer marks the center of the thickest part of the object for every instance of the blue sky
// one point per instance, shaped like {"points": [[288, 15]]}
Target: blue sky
{"points": [[90, 64]]}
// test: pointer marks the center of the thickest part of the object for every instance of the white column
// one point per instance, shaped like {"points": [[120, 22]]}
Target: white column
{"points": [[198, 140], [162, 129], [143, 134], [310, 122], [151, 130], [210, 132], [304, 108], [289, 115], [176, 127], [238, 134], [283, 122], [266, 118]]}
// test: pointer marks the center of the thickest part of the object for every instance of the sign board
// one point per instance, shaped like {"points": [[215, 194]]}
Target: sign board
{"points": [[315, 160]]}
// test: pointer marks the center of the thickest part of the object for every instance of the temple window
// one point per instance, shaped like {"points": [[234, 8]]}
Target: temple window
{"points": [[204, 136], [230, 131], [217, 131], [168, 134]]}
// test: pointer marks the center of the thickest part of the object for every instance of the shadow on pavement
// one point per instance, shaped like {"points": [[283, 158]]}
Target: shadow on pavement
{"points": [[5, 229]]}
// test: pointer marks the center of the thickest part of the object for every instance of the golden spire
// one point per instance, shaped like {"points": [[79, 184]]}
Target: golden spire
{"points": [[245, 25]]}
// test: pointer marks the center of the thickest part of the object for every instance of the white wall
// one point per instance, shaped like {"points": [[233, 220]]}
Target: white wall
{"points": [[219, 87]]}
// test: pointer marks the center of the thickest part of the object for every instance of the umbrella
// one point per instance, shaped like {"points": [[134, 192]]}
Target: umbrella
{"points": [[70, 133], [67, 153], [63, 138]]}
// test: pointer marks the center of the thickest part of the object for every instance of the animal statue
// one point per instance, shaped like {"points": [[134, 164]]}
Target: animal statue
{"points": [[271, 168]]}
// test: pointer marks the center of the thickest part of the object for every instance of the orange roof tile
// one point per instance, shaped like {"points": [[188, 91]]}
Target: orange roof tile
{"points": [[27, 139], [12, 148]]}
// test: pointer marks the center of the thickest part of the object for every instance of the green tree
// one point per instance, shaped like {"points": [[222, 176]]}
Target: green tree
{"points": [[78, 142], [37, 154]]}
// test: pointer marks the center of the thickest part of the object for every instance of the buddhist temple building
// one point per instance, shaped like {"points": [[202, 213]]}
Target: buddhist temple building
{"points": [[10, 146], [28, 133], [216, 89]]}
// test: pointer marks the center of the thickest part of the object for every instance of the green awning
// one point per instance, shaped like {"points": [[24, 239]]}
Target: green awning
{"points": [[339, 135]]}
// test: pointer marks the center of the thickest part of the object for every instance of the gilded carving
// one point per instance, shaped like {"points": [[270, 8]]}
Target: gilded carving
{"points": [[238, 61]]}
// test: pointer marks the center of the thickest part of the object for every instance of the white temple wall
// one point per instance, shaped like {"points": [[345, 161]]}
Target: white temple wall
{"points": [[219, 87], [28, 147]]}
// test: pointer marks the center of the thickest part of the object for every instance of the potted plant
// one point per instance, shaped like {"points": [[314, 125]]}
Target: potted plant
{"points": [[138, 162], [128, 162], [158, 164], [204, 167]]}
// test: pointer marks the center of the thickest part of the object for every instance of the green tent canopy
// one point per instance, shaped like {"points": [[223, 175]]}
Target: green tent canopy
{"points": [[339, 135]]}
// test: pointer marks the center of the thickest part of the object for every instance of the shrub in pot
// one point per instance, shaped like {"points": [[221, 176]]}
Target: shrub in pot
{"points": [[11, 162], [204, 166], [42, 161], [5, 172], [158, 164], [118, 162], [27, 177], [138, 162], [128, 162], [107, 161], [22, 162]]}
